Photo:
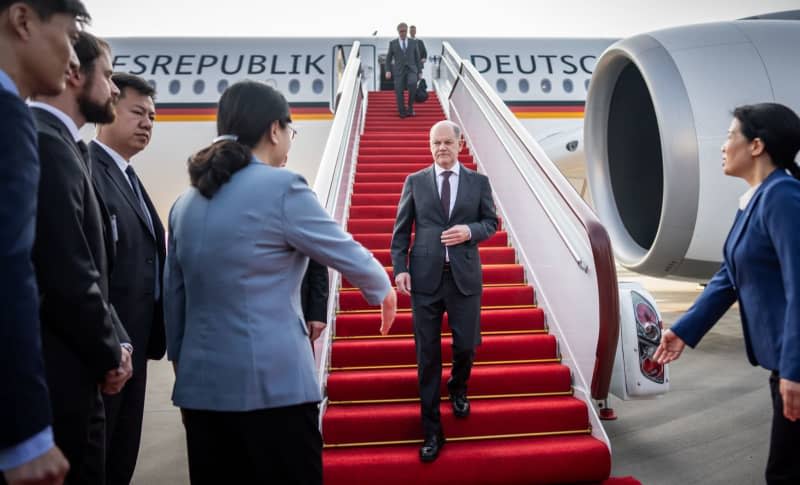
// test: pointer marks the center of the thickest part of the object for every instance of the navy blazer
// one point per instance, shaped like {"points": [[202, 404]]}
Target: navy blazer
{"points": [[24, 401], [761, 269]]}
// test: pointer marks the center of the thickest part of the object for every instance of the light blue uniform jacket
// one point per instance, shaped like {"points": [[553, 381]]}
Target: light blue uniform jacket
{"points": [[761, 269], [232, 290]]}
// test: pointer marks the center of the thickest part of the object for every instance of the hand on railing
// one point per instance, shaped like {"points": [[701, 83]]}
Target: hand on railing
{"points": [[388, 311]]}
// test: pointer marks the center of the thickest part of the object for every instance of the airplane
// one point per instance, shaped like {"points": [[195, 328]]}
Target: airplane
{"points": [[653, 175], [543, 81]]}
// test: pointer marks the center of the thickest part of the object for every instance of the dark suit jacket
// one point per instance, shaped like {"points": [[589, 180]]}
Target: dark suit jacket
{"points": [[761, 269], [420, 207], [136, 249], [423, 52], [314, 292], [81, 333], [397, 61], [24, 401]]}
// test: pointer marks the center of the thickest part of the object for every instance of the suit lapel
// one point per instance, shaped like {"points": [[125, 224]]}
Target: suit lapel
{"points": [[120, 182]]}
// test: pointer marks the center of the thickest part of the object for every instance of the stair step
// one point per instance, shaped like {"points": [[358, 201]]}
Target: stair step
{"points": [[498, 274], [383, 224], [488, 254], [518, 380], [499, 296], [351, 354], [384, 241], [407, 168], [523, 461], [370, 423], [517, 321], [389, 158]]}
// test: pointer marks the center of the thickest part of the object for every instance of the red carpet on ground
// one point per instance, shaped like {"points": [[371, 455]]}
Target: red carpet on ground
{"points": [[525, 426]]}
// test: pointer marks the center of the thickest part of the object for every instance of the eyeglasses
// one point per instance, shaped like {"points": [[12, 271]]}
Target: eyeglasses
{"points": [[294, 132]]}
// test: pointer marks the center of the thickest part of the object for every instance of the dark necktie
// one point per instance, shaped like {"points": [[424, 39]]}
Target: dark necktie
{"points": [[403, 45], [137, 191], [446, 193]]}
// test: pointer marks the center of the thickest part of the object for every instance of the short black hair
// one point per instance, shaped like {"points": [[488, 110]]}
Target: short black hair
{"points": [[48, 8], [88, 48], [125, 80]]}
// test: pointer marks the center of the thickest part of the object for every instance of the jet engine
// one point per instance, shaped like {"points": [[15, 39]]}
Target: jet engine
{"points": [[657, 112]]}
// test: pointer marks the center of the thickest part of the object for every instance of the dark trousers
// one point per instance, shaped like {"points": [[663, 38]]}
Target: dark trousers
{"points": [[81, 436], [405, 80], [783, 464], [463, 314], [124, 412], [280, 446]]}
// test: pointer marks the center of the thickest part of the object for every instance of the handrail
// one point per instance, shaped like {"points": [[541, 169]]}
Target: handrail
{"points": [[605, 270], [334, 178]]}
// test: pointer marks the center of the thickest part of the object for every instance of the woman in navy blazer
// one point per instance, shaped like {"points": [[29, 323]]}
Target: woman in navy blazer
{"points": [[239, 242], [761, 270]]}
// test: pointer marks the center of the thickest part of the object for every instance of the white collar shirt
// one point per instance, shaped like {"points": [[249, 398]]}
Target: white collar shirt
{"points": [[62, 117], [121, 162]]}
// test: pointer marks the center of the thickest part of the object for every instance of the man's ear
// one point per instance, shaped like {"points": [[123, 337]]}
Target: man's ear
{"points": [[20, 18]]}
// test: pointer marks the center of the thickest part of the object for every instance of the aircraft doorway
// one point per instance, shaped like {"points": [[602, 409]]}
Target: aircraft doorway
{"points": [[386, 84], [368, 60]]}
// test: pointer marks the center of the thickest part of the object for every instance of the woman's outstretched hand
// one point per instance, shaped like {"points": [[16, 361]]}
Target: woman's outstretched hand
{"points": [[669, 349]]}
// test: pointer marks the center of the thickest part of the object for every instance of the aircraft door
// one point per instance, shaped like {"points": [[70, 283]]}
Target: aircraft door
{"points": [[368, 65]]}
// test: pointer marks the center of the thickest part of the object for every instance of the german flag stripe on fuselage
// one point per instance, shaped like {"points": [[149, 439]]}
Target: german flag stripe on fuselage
{"points": [[208, 111], [321, 111], [546, 109]]}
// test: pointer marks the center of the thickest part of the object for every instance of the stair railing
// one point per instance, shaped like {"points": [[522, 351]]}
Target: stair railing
{"points": [[563, 247], [334, 181]]}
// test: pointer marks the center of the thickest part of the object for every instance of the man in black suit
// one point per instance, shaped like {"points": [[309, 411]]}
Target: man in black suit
{"points": [[138, 264], [451, 210], [403, 64], [423, 52], [314, 298], [35, 48], [86, 348]]}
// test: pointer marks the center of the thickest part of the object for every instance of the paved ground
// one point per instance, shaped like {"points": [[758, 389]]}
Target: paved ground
{"points": [[711, 428]]}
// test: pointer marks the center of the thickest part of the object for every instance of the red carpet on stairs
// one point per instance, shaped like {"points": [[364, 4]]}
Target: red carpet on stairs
{"points": [[525, 426]]}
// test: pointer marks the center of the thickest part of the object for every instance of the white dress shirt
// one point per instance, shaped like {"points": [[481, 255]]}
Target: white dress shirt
{"points": [[745, 198], [63, 117], [121, 162], [453, 180]]}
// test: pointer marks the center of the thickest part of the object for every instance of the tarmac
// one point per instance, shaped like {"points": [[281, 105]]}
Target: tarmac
{"points": [[712, 427]]}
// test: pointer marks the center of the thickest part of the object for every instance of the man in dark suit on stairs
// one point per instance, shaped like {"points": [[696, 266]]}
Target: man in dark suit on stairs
{"points": [[86, 348], [139, 263], [403, 64], [451, 210]]}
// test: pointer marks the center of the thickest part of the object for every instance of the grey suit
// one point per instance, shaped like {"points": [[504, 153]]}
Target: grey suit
{"points": [[436, 287], [233, 315], [405, 66]]}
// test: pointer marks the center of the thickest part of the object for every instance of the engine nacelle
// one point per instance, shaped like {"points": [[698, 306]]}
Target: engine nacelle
{"points": [[657, 112]]}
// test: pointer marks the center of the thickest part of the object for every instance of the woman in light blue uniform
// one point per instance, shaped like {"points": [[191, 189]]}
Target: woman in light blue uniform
{"points": [[239, 242], [761, 270]]}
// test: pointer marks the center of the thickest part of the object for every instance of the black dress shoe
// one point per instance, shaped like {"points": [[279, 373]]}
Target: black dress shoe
{"points": [[460, 405], [430, 449], [403, 114]]}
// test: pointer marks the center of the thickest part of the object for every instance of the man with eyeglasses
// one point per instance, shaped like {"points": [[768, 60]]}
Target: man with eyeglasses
{"points": [[404, 64]]}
